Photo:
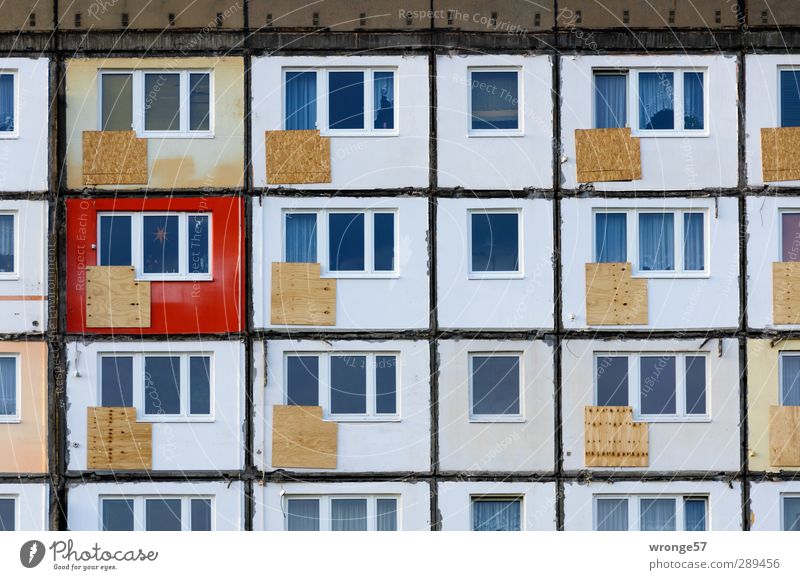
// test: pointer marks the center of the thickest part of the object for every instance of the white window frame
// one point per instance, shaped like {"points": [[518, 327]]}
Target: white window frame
{"points": [[137, 244], [323, 242], [140, 513], [324, 385], [635, 387], [139, 387], [139, 100], [634, 508], [778, 106], [16, 417], [677, 102], [15, 133], [496, 275], [520, 130], [13, 275], [15, 498], [325, 509], [497, 497], [783, 498], [632, 250], [515, 418]]}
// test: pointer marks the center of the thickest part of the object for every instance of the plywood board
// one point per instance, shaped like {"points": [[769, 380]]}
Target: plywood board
{"points": [[607, 155], [612, 439], [300, 438], [301, 296], [786, 292], [115, 441], [114, 158], [780, 153], [114, 299], [298, 157], [613, 296], [784, 436]]}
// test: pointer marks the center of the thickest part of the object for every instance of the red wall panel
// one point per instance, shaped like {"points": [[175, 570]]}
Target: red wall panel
{"points": [[177, 307]]}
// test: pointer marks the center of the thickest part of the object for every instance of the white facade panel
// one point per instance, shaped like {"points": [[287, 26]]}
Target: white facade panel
{"points": [[767, 507], [31, 505]]}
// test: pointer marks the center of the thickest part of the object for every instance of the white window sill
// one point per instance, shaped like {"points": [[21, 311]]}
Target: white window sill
{"points": [[496, 419], [8, 276], [174, 419], [498, 133], [9, 135], [175, 135], [496, 276], [359, 133], [362, 419], [10, 420]]}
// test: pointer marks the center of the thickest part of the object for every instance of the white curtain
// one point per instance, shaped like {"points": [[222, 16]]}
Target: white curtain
{"points": [[656, 241], [611, 237], [656, 92], [657, 515], [386, 515], [301, 237], [301, 100], [8, 386], [694, 515], [349, 515], [496, 515], [612, 514], [790, 377], [302, 515], [610, 101]]}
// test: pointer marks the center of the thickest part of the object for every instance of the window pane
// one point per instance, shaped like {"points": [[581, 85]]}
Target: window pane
{"points": [[790, 98], [301, 100], [7, 102], [301, 237], [8, 386], [6, 243], [162, 380], [163, 515], [117, 381], [201, 515], [199, 102], [656, 91], [612, 514], [117, 515], [610, 101], [694, 515], [348, 515], [162, 96], [387, 515], [657, 515], [386, 384], [790, 237], [495, 385], [346, 239], [383, 91], [117, 97], [656, 241], [693, 101], [197, 232], [7, 511], [160, 244], [495, 102], [791, 514], [790, 380], [696, 385], [199, 385], [612, 381], [302, 380], [693, 241], [658, 385], [611, 237], [495, 242], [302, 515], [346, 100], [496, 515], [384, 241], [348, 384], [115, 240]]}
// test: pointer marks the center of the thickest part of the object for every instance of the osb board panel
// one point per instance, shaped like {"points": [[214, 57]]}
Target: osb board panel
{"points": [[114, 158], [298, 157], [115, 440], [786, 292], [114, 299], [613, 296], [612, 439], [300, 438], [780, 153], [301, 296], [784, 436], [607, 155]]}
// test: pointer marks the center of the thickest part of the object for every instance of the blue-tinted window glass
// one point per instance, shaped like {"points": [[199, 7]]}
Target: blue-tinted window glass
{"points": [[790, 380], [160, 241], [656, 241], [117, 515], [162, 102], [201, 515], [302, 380], [657, 515], [612, 381], [495, 100], [496, 515], [610, 101], [348, 384], [6, 243], [6, 102], [301, 100], [495, 385], [657, 385], [8, 385], [495, 242], [383, 91], [384, 241], [346, 100], [656, 96], [696, 385], [117, 381], [162, 390], [346, 241], [115, 240], [693, 241], [385, 384], [199, 102], [301, 237], [163, 515], [198, 244], [7, 512], [302, 515], [612, 514], [693, 101], [348, 515], [386, 509], [791, 514], [694, 510], [199, 385], [790, 98], [611, 237]]}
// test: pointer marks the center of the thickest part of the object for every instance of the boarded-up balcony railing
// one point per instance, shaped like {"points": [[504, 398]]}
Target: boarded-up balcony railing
{"points": [[301, 296], [786, 292], [780, 154], [301, 438], [607, 155], [115, 441], [114, 299], [614, 296], [612, 439], [784, 436], [298, 157], [114, 158]]}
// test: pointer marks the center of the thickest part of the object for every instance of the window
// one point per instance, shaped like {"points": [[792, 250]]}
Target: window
{"points": [[156, 514], [650, 513], [495, 102], [175, 103], [790, 379], [347, 101], [355, 243], [495, 387], [160, 246], [9, 390], [342, 513], [659, 386], [164, 386], [8, 511], [789, 89], [610, 99], [8, 104], [791, 514], [790, 236], [496, 514], [8, 242], [495, 243], [664, 242], [356, 385]]}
